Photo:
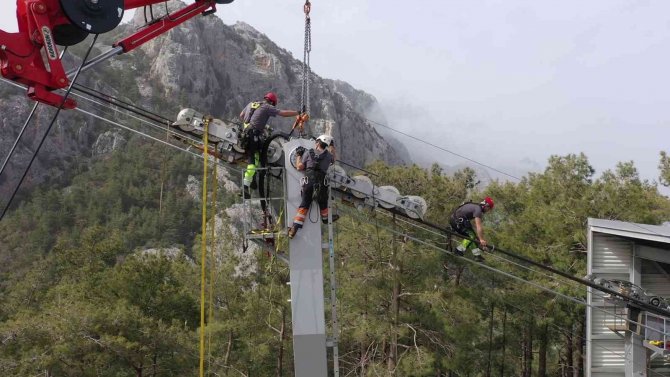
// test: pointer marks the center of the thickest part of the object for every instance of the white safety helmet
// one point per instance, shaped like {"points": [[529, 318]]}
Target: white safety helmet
{"points": [[326, 139]]}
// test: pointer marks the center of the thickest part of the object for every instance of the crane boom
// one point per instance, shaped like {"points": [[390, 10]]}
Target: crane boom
{"points": [[46, 24]]}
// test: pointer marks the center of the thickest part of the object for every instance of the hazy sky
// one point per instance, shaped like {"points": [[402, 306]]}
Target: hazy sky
{"points": [[499, 81]]}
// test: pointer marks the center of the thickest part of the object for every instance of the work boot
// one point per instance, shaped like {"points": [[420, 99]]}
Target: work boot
{"points": [[478, 255], [459, 250], [267, 223], [292, 231], [335, 218], [246, 193]]}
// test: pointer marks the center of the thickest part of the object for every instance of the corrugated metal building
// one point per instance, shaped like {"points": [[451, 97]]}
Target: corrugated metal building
{"points": [[640, 254]]}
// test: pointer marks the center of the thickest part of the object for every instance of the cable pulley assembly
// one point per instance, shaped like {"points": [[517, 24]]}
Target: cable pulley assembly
{"points": [[93, 16]]}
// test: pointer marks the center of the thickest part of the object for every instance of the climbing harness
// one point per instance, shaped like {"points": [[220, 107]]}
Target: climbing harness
{"points": [[460, 222], [248, 134], [316, 176]]}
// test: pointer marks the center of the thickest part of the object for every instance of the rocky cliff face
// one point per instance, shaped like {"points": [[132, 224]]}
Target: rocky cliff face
{"points": [[217, 68], [70, 138], [203, 64]]}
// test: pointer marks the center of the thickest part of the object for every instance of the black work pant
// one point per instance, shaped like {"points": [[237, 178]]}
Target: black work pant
{"points": [[307, 196], [463, 227], [254, 145]]}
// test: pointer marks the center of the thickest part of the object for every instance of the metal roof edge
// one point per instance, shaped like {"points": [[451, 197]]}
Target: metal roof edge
{"points": [[631, 230]]}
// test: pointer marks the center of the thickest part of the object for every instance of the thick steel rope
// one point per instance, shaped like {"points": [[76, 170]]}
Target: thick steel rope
{"points": [[46, 133]]}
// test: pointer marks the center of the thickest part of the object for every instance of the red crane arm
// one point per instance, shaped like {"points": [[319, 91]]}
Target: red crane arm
{"points": [[166, 23], [45, 23], [132, 4]]}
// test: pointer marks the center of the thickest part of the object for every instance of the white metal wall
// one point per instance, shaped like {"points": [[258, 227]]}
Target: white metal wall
{"points": [[617, 252], [657, 284], [610, 257], [603, 320], [609, 355], [655, 278], [611, 254]]}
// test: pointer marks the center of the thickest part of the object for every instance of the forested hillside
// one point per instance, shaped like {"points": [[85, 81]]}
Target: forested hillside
{"points": [[82, 296], [100, 263]]}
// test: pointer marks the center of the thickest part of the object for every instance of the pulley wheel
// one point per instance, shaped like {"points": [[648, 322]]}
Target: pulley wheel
{"points": [[68, 35], [93, 16]]}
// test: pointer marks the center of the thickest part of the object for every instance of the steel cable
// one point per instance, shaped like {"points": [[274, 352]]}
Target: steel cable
{"points": [[511, 276], [23, 128], [46, 133], [595, 291]]}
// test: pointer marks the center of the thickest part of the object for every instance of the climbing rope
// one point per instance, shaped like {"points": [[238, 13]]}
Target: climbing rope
{"points": [[203, 248], [212, 265], [304, 101]]}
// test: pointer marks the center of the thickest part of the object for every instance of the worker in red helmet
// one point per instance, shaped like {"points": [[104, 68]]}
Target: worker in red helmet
{"points": [[460, 222], [255, 117]]}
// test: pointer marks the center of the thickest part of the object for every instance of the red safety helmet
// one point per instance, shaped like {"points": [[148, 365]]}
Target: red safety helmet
{"points": [[488, 202], [272, 98]]}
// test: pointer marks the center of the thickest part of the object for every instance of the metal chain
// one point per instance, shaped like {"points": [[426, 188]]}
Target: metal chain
{"points": [[304, 101]]}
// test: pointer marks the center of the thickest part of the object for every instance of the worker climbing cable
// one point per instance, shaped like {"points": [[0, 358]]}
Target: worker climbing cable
{"points": [[255, 117], [460, 222]]}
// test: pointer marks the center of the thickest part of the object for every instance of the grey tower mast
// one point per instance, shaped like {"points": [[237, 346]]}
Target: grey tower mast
{"points": [[306, 265]]}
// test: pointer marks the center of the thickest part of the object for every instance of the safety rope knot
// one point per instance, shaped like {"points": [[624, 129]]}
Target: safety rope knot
{"points": [[299, 123]]}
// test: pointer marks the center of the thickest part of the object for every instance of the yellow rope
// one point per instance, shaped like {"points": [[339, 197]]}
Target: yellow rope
{"points": [[203, 248], [278, 229], [272, 284], [212, 270]]}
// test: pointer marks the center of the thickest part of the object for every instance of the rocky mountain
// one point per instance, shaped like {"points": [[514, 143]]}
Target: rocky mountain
{"points": [[71, 139], [203, 64], [213, 67]]}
